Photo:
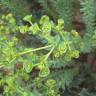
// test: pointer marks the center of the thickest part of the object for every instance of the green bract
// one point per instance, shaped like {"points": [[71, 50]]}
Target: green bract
{"points": [[44, 19], [34, 29], [27, 18], [23, 29]]}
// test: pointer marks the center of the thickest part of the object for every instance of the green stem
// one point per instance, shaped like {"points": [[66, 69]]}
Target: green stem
{"points": [[31, 23], [1, 65], [12, 60], [33, 50], [49, 53], [26, 52], [46, 56]]}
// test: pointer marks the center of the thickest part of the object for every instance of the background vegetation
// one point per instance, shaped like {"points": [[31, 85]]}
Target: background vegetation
{"points": [[47, 47]]}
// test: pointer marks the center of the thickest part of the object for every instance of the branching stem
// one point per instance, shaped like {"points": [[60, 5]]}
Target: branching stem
{"points": [[32, 50]]}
